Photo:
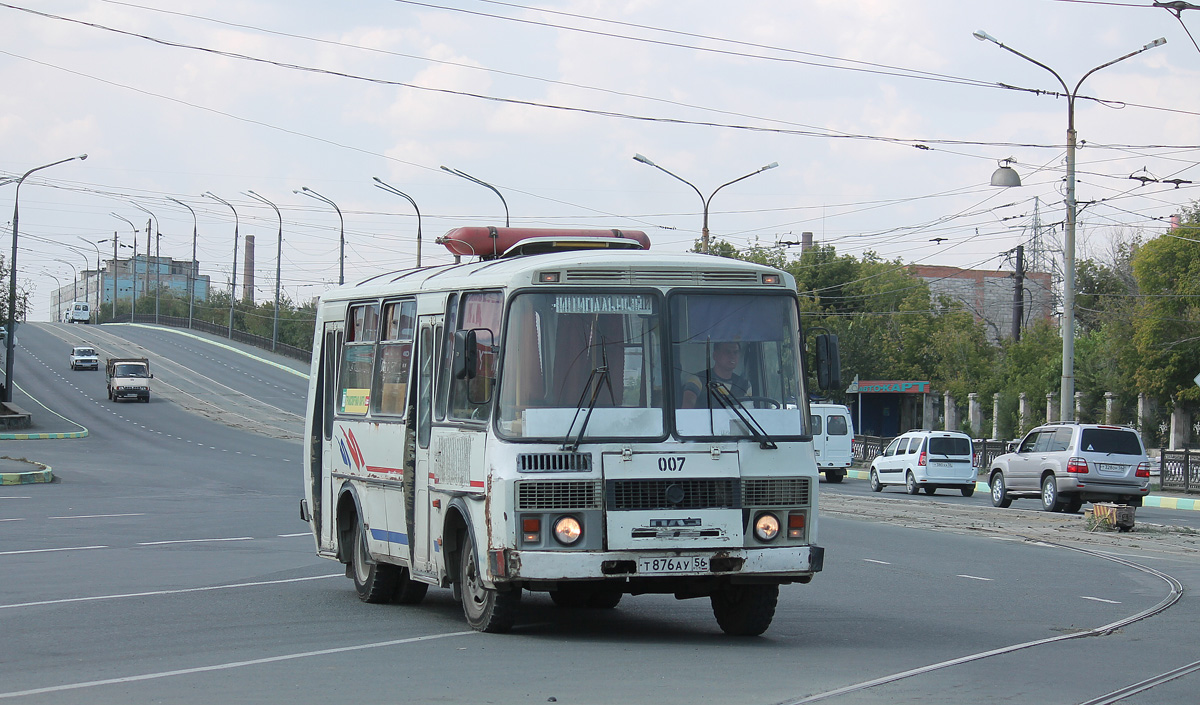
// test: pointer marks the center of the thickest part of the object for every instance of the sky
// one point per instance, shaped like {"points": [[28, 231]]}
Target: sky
{"points": [[886, 118]]}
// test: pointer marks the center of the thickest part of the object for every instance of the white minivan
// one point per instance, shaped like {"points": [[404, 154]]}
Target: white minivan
{"points": [[927, 460], [833, 437]]}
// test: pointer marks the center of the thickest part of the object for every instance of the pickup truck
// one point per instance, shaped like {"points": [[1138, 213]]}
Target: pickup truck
{"points": [[128, 377], [83, 357]]}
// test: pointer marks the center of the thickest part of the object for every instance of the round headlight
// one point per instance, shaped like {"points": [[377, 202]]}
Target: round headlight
{"points": [[567, 530], [766, 526]]}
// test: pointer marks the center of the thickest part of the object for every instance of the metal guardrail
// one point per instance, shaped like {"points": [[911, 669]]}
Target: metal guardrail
{"points": [[257, 341], [1179, 471]]}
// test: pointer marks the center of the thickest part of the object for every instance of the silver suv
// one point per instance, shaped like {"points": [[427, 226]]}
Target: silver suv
{"points": [[1066, 464]]}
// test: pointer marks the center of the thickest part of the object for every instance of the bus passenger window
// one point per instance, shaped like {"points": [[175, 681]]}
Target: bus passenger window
{"points": [[395, 358], [358, 358]]}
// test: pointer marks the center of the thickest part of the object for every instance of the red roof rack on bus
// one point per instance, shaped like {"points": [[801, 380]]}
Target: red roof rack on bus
{"points": [[490, 242]]}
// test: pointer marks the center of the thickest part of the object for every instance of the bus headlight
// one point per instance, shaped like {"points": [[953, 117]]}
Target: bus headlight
{"points": [[766, 526], [567, 530]]}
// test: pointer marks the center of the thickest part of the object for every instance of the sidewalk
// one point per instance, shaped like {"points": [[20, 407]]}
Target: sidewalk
{"points": [[1157, 498]]}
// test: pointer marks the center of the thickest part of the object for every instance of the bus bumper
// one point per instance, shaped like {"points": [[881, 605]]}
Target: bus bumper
{"points": [[787, 562]]}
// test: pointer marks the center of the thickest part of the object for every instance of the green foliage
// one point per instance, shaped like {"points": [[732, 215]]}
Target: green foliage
{"points": [[1166, 318]]}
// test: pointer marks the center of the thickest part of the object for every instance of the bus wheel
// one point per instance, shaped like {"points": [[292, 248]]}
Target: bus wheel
{"points": [[408, 591], [487, 609], [374, 582], [745, 610]]}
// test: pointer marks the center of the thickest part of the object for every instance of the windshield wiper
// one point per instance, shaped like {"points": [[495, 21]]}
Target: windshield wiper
{"points": [[598, 377], [729, 401]]}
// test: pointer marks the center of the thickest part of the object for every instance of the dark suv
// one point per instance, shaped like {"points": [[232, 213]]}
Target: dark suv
{"points": [[1066, 464]]}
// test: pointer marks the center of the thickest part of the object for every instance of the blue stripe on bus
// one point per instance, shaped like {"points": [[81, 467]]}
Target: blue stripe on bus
{"points": [[389, 536]]}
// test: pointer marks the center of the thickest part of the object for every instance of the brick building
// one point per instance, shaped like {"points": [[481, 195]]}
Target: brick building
{"points": [[988, 295]]}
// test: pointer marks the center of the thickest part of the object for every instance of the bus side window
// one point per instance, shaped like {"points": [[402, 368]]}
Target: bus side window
{"points": [[446, 346], [424, 387], [470, 397], [358, 358], [395, 358], [331, 352]]}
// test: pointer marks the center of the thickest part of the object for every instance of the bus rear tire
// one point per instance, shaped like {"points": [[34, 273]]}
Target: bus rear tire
{"points": [[408, 591], [374, 582], [486, 609], [745, 610]]}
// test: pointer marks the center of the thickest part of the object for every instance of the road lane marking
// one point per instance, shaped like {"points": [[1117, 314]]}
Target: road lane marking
{"points": [[163, 543], [233, 664], [1099, 599], [288, 536], [50, 550], [176, 591], [96, 516], [974, 577], [872, 560], [19, 519]]}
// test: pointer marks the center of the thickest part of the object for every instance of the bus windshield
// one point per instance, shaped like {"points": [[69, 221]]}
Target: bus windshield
{"points": [[736, 365], [567, 351]]}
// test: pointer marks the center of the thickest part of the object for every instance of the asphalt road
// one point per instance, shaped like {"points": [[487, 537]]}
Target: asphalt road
{"points": [[168, 564]]}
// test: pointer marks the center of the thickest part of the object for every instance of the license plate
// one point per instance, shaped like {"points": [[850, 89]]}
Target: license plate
{"points": [[1112, 468], [941, 464], [672, 565]]}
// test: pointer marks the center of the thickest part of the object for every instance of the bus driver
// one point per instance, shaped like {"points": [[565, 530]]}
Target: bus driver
{"points": [[725, 359]]}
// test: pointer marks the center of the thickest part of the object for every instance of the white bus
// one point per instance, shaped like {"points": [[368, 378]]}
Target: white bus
{"points": [[562, 416], [77, 312]]}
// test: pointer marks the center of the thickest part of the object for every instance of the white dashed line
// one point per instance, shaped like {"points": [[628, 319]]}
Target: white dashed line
{"points": [[50, 550], [1099, 599], [872, 560], [163, 543], [96, 516], [974, 577]]}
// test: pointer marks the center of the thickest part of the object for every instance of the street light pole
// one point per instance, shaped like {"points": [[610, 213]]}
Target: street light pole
{"points": [[10, 343], [392, 189], [99, 279], [1067, 386], [233, 272], [157, 260], [191, 281], [306, 191], [485, 184], [704, 246], [278, 266], [132, 272]]}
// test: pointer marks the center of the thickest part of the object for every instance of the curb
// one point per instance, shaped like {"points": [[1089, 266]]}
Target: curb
{"points": [[1148, 501], [41, 436], [46, 474]]}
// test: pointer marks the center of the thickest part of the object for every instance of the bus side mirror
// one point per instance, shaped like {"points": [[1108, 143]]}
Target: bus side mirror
{"points": [[829, 362], [466, 354]]}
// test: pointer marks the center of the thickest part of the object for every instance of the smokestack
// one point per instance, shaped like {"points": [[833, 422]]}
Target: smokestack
{"points": [[805, 241], [248, 272]]}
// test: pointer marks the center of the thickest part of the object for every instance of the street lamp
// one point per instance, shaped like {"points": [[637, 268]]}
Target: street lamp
{"points": [[392, 189], [99, 278], [704, 232], [306, 191], [57, 296], [132, 271], [233, 271], [278, 263], [191, 288], [157, 260], [1067, 389], [74, 284], [485, 184], [10, 343]]}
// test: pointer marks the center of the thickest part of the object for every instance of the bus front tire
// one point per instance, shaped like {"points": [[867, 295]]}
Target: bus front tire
{"points": [[745, 610], [374, 582], [486, 609]]}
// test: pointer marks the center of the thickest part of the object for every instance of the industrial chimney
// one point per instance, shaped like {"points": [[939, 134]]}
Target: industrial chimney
{"points": [[248, 272]]}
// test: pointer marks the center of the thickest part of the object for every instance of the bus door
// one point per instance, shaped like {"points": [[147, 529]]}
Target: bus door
{"points": [[422, 531], [323, 444]]}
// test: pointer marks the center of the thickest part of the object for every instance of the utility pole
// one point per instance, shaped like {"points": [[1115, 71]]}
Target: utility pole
{"points": [[1019, 294]]}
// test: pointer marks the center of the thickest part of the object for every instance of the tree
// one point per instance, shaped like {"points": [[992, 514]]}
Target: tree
{"points": [[1166, 324]]}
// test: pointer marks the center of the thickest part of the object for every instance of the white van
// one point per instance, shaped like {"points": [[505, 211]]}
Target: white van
{"points": [[78, 312], [833, 436]]}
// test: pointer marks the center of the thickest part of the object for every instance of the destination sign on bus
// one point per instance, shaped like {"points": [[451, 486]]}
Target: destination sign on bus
{"points": [[603, 303]]}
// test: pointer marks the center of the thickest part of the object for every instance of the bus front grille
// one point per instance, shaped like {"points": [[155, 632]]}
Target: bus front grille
{"points": [[539, 495], [554, 462], [776, 492], [717, 493]]}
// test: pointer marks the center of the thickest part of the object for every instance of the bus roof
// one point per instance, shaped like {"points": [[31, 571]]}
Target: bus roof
{"points": [[581, 267]]}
